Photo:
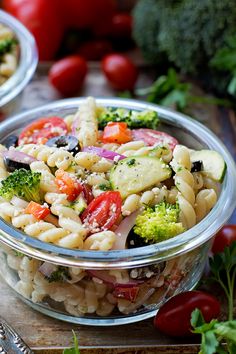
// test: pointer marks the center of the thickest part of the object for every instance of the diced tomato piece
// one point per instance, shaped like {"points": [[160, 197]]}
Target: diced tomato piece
{"points": [[87, 193], [41, 130], [37, 210], [103, 211], [68, 184], [126, 293], [116, 133], [152, 137]]}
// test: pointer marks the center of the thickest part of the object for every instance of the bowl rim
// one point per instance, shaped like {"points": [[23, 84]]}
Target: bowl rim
{"points": [[180, 244], [27, 62]]}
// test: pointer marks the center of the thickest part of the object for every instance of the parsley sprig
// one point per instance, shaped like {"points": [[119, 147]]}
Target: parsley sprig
{"points": [[223, 270]]}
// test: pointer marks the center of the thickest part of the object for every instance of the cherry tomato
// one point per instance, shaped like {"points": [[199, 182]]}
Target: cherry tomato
{"points": [[151, 137], [42, 19], [120, 71], [174, 316], [68, 184], [67, 75], [116, 132], [121, 25], [103, 211], [224, 238], [95, 50], [41, 130]]}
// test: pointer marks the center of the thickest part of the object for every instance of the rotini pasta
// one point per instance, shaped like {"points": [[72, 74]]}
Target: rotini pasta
{"points": [[9, 55]]}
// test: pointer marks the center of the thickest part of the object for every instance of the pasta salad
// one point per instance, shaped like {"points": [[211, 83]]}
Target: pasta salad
{"points": [[104, 179], [8, 53]]}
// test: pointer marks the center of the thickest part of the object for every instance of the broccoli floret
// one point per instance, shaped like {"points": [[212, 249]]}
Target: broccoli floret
{"points": [[145, 119], [61, 274], [159, 223], [22, 183], [188, 32], [6, 45]]}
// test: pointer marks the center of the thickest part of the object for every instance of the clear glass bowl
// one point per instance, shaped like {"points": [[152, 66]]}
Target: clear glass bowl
{"points": [[11, 90], [86, 294]]}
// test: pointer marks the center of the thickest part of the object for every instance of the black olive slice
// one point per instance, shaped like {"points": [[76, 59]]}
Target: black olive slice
{"points": [[67, 142], [11, 140], [197, 166]]}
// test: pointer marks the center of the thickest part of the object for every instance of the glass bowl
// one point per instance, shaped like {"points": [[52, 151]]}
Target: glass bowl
{"points": [[11, 90], [85, 292]]}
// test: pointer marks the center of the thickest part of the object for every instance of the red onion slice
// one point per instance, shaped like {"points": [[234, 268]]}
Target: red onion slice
{"points": [[18, 156], [123, 230], [47, 269], [110, 155], [74, 127], [111, 280]]}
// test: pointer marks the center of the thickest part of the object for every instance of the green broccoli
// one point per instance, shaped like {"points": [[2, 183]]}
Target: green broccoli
{"points": [[22, 183], [187, 32], [145, 119], [6, 45], [159, 223], [61, 274]]}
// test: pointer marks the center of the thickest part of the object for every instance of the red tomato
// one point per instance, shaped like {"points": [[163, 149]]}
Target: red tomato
{"points": [[37, 210], [103, 211], [116, 132], [174, 316], [151, 137], [67, 75], [68, 184], [85, 13], [224, 238], [41, 130], [129, 294], [95, 50], [42, 19], [120, 71], [121, 26]]}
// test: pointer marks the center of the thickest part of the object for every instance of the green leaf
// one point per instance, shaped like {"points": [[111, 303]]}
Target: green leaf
{"points": [[232, 86], [75, 349], [209, 343], [227, 330], [197, 318]]}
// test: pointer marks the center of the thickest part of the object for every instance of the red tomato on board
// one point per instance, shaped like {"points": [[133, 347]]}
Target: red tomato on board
{"points": [[68, 74], [68, 184], [151, 137], [174, 316], [224, 238], [120, 71], [95, 50], [42, 19], [103, 211], [121, 25], [41, 130]]}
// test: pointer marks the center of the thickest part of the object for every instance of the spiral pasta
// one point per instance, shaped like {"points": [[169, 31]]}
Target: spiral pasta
{"points": [[205, 200]]}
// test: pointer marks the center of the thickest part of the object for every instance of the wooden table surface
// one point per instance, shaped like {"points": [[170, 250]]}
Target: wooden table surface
{"points": [[43, 333]]}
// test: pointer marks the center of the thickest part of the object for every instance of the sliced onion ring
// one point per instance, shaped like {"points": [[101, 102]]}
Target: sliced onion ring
{"points": [[123, 230], [18, 156], [111, 280], [110, 155]]}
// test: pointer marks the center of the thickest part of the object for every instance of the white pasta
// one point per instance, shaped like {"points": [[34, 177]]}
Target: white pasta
{"points": [[9, 59], [87, 129], [101, 241], [47, 180], [205, 200]]}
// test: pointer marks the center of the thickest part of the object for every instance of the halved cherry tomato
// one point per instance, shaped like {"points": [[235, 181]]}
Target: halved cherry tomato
{"points": [[116, 132], [68, 184], [67, 75], [103, 211], [129, 294], [224, 238], [174, 316], [37, 210], [151, 137], [41, 130], [120, 71]]}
